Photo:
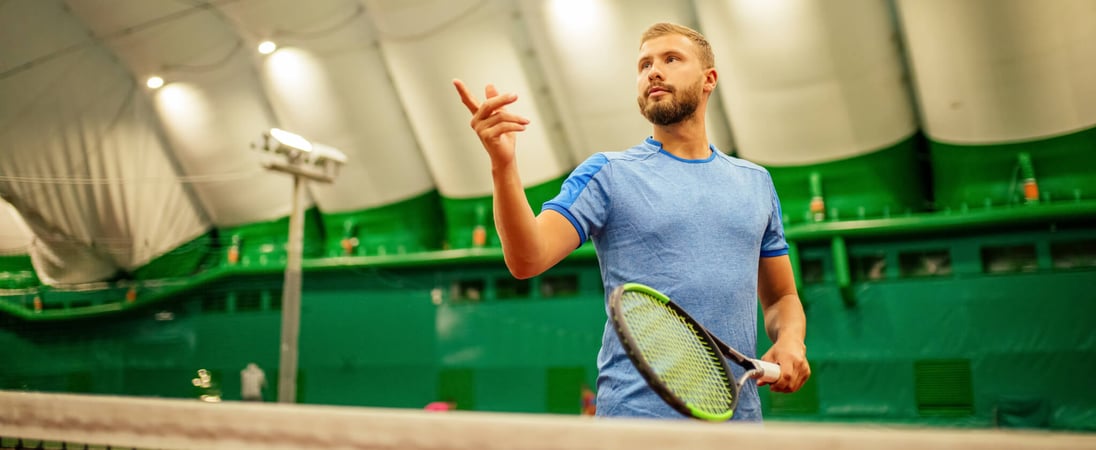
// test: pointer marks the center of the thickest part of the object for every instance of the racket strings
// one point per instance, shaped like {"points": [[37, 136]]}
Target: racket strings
{"points": [[690, 368]]}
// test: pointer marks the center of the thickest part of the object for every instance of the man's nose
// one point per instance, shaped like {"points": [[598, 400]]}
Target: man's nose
{"points": [[654, 72]]}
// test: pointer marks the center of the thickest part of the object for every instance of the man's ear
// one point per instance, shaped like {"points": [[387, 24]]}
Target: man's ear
{"points": [[710, 78]]}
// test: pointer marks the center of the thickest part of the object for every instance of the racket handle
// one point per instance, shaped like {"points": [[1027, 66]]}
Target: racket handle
{"points": [[770, 372]]}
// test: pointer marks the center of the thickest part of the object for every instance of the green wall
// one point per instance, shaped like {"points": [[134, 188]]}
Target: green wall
{"points": [[463, 216], [965, 330], [884, 183], [960, 329], [406, 226], [989, 175], [180, 261], [424, 223], [16, 272]]}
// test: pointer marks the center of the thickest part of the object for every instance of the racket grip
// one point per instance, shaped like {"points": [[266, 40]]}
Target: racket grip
{"points": [[770, 372]]}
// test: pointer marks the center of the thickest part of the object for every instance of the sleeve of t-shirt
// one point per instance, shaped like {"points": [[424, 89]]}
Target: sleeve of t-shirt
{"points": [[583, 199], [773, 242]]}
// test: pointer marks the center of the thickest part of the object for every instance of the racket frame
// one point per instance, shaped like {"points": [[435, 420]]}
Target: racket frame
{"points": [[627, 341]]}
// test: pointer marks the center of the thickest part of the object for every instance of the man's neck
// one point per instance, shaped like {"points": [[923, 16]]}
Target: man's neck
{"points": [[687, 139]]}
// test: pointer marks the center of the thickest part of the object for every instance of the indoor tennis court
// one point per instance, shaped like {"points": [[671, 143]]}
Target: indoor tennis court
{"points": [[269, 223]]}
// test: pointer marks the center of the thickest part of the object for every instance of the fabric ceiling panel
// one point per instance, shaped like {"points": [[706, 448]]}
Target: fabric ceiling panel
{"points": [[15, 237], [327, 82], [588, 50], [82, 157], [211, 106], [1003, 71], [418, 41], [211, 121], [808, 83]]}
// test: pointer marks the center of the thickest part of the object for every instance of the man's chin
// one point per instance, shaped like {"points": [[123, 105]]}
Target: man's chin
{"points": [[656, 117]]}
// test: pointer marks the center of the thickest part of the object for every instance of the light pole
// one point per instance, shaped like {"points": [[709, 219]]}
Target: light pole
{"points": [[290, 153]]}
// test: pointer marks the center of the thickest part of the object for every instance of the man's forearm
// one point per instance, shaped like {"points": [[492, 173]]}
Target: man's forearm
{"points": [[784, 319], [515, 223]]}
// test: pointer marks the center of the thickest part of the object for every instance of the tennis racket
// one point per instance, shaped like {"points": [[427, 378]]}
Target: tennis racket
{"points": [[681, 361]]}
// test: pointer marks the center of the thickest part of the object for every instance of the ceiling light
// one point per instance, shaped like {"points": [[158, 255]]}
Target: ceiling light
{"points": [[285, 138], [267, 47], [154, 82]]}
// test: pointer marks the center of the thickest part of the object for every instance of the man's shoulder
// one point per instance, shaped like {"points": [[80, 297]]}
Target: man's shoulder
{"points": [[637, 152], [742, 163], [601, 160]]}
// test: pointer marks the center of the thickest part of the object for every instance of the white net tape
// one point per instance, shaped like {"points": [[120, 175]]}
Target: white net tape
{"points": [[129, 422]]}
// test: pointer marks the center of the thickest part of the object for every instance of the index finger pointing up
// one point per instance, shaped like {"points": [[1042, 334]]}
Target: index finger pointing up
{"points": [[466, 97]]}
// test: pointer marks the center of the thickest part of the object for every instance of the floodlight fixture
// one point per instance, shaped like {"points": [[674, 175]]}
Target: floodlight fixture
{"points": [[291, 140], [291, 153]]}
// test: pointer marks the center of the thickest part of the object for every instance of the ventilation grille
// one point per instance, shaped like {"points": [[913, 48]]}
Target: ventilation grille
{"points": [[943, 388]]}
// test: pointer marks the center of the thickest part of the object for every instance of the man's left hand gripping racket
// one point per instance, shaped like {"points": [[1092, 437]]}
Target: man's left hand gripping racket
{"points": [[679, 358]]}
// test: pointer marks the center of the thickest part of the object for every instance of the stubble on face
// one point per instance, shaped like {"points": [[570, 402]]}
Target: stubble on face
{"points": [[680, 105]]}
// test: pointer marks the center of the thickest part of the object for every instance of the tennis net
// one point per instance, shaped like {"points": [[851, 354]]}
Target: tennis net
{"points": [[40, 420]]}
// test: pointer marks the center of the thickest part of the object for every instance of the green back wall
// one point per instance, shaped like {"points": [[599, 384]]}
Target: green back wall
{"points": [[958, 330], [412, 225], [979, 176], [264, 243], [17, 272], [181, 261], [464, 215], [884, 183]]}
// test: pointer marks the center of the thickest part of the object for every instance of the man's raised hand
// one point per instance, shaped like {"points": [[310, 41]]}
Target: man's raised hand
{"points": [[493, 124]]}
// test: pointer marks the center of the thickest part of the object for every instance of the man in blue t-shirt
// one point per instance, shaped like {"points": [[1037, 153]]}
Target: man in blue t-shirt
{"points": [[673, 213]]}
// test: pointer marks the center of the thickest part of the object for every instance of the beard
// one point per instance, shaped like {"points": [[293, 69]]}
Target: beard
{"points": [[681, 105]]}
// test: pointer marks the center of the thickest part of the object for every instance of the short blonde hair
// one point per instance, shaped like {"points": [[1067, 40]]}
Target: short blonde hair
{"points": [[704, 49]]}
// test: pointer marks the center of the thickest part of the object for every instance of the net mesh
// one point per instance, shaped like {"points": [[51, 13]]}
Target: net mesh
{"points": [[692, 370]]}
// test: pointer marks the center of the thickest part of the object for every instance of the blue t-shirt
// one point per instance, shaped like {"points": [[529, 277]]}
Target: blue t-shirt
{"points": [[692, 229]]}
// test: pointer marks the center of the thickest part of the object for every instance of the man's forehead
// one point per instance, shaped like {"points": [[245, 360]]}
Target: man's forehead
{"points": [[666, 44]]}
